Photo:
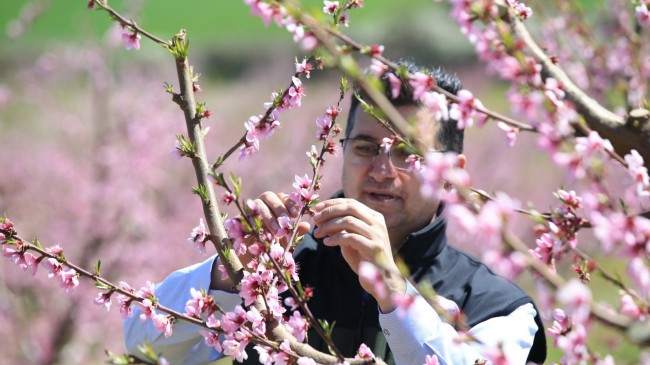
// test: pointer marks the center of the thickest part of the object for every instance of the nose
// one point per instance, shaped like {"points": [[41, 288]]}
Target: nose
{"points": [[381, 168]]}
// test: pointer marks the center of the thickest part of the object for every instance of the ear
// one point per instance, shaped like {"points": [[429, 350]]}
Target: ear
{"points": [[462, 160]]}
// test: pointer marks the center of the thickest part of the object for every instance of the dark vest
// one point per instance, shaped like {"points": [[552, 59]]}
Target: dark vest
{"points": [[338, 297]]}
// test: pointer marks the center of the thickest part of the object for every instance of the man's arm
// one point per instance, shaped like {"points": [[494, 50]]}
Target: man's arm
{"points": [[185, 345], [420, 332]]}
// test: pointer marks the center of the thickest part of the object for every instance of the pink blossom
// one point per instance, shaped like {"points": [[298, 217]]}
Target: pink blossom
{"points": [[293, 98], [371, 275], [304, 67], [330, 7], [200, 303], [69, 280], [303, 182], [414, 163], [465, 110], [54, 266], [630, 308], [286, 226], [639, 274], [376, 50], [237, 233], [462, 224], [548, 248], [224, 272], [132, 40], [125, 306], [273, 301], [403, 303], [236, 348], [642, 14], [298, 326], [147, 308], [554, 91], [511, 133], [638, 171], [364, 352], [21, 258], [309, 42], [266, 11], [213, 321], [509, 266], [576, 298], [510, 69], [437, 105], [227, 198], [522, 10], [55, 250], [325, 124], [250, 287], [104, 299], [377, 68], [258, 324], [162, 323], [232, 321], [592, 145], [147, 291], [525, 104], [211, 339], [198, 237], [570, 198], [431, 360], [496, 356], [440, 168], [395, 85], [421, 83]]}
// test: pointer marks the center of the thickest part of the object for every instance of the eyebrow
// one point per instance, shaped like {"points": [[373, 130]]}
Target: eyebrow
{"points": [[366, 137]]}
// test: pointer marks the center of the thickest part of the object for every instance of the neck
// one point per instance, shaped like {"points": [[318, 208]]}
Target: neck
{"points": [[398, 236]]}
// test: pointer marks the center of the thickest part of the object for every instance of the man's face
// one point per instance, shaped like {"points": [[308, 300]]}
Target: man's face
{"points": [[379, 185]]}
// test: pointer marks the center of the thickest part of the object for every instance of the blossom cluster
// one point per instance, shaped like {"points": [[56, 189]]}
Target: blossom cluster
{"points": [[16, 250], [259, 127]]}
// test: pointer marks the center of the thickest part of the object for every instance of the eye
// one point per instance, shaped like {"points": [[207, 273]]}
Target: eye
{"points": [[364, 148], [400, 152]]}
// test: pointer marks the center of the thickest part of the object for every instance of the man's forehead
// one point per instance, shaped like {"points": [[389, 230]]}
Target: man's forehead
{"points": [[425, 126]]}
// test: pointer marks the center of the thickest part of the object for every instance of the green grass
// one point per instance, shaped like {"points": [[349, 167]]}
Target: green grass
{"points": [[216, 22]]}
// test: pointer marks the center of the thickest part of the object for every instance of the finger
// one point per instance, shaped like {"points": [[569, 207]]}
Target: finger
{"points": [[337, 225], [303, 228], [271, 208], [291, 206], [344, 239], [344, 207]]}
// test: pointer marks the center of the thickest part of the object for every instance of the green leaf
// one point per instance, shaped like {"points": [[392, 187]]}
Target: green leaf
{"points": [[201, 191], [115, 359], [218, 178], [344, 84], [102, 286], [236, 184], [169, 88], [97, 267], [37, 243], [217, 163]]}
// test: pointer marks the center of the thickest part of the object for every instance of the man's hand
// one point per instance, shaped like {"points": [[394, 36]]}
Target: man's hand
{"points": [[362, 235], [271, 206]]}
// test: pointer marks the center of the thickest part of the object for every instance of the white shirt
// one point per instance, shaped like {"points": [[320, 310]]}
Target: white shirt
{"points": [[411, 336]]}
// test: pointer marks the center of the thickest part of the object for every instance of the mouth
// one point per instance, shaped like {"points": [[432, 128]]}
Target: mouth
{"points": [[382, 197]]}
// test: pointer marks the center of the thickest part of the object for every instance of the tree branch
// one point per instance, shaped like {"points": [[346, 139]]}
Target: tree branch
{"points": [[625, 134]]}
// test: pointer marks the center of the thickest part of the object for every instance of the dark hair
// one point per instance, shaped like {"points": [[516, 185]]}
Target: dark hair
{"points": [[450, 137]]}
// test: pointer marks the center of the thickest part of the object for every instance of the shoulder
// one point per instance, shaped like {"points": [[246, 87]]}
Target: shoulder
{"points": [[485, 292]]}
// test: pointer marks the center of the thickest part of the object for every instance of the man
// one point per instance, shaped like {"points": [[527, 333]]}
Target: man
{"points": [[379, 214]]}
